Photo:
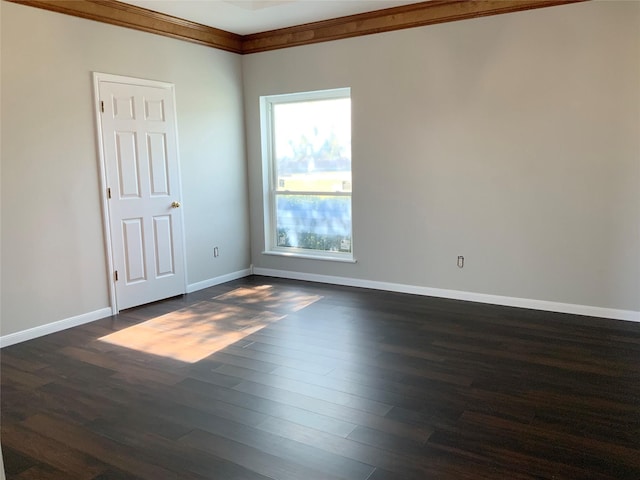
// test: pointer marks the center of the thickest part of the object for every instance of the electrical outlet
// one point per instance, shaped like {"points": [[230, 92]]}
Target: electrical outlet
{"points": [[216, 252], [460, 261]]}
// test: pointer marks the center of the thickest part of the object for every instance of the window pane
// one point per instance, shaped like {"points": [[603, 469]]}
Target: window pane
{"points": [[315, 222], [312, 145]]}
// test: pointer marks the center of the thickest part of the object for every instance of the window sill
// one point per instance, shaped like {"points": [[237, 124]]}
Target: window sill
{"points": [[307, 256]]}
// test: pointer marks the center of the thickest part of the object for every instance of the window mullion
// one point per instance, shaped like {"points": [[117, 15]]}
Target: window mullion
{"points": [[312, 193]]}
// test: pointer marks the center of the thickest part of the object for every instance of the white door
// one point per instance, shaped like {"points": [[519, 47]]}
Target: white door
{"points": [[141, 173]]}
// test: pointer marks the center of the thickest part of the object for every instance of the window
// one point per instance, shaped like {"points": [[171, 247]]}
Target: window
{"points": [[307, 159]]}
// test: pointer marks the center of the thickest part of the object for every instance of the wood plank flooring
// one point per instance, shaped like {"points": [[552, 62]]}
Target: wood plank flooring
{"points": [[265, 378]]}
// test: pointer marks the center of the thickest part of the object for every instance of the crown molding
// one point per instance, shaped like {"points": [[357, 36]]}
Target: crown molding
{"points": [[125, 15], [386, 20]]}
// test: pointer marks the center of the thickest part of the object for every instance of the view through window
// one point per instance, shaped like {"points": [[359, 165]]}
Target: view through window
{"points": [[309, 162]]}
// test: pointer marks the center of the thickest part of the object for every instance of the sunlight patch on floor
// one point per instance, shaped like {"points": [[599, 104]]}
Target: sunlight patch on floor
{"points": [[269, 297], [193, 333]]}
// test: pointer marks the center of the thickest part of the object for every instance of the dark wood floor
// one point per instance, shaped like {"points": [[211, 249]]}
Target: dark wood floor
{"points": [[313, 382]]}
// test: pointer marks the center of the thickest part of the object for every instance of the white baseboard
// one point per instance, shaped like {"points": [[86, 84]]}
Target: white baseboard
{"points": [[587, 310], [544, 305], [53, 327], [194, 287]]}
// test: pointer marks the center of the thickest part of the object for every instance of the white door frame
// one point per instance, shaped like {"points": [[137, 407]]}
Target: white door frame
{"points": [[107, 77]]}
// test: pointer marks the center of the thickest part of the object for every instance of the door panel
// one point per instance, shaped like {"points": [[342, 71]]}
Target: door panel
{"points": [[154, 110], [133, 239], [123, 107], [158, 164], [142, 171], [163, 245], [127, 158]]}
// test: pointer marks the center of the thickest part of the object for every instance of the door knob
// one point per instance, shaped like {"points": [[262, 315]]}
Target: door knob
{"points": [[175, 204]]}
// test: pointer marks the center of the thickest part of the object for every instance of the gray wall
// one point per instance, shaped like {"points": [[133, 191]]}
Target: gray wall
{"points": [[512, 140], [53, 248]]}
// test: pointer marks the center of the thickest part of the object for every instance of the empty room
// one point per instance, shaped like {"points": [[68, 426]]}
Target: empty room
{"points": [[320, 240]]}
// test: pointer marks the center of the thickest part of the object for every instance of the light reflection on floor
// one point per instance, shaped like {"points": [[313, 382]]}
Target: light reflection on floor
{"points": [[195, 332], [269, 298]]}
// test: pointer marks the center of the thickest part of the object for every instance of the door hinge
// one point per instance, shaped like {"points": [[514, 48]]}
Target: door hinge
{"points": [[102, 106], [108, 193], [115, 276]]}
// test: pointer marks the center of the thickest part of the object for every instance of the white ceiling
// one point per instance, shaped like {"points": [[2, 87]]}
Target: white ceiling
{"points": [[252, 16]]}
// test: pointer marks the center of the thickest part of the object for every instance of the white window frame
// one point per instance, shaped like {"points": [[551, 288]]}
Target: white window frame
{"points": [[270, 189]]}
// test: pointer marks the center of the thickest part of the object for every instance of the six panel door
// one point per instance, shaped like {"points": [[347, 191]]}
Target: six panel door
{"points": [[142, 172]]}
